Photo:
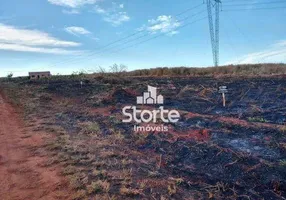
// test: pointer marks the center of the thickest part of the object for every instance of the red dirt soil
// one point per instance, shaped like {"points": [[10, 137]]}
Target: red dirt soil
{"points": [[21, 174]]}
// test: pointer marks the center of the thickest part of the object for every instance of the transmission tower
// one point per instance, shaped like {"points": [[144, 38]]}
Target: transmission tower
{"points": [[214, 27]]}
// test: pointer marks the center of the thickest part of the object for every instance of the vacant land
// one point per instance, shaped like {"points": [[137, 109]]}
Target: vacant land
{"points": [[237, 152]]}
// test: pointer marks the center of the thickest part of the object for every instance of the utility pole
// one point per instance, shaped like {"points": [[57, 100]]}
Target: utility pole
{"points": [[214, 27]]}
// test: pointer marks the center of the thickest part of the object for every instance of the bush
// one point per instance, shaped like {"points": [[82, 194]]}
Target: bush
{"points": [[10, 76]]}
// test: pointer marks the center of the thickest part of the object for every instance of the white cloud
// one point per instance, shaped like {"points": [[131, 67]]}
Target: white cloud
{"points": [[11, 34], [71, 12], [95, 38], [275, 53], [76, 30], [20, 39], [99, 10], [72, 3], [117, 19], [24, 48], [164, 24], [115, 15]]}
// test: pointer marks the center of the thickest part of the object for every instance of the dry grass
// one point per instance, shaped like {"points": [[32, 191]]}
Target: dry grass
{"points": [[130, 192], [172, 189], [78, 181], [99, 173], [98, 186], [235, 70], [91, 127], [98, 164], [79, 195], [69, 170]]}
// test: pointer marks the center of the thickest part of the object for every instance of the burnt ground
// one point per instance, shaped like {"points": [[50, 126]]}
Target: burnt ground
{"points": [[237, 152]]}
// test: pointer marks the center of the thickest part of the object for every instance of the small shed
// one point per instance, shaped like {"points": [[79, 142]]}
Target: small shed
{"points": [[39, 75]]}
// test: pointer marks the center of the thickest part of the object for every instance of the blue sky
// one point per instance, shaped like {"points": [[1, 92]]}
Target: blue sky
{"points": [[64, 36]]}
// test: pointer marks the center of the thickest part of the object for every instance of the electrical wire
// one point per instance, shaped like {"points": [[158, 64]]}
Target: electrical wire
{"points": [[250, 9], [250, 4], [275, 54], [127, 42], [157, 36], [126, 37]]}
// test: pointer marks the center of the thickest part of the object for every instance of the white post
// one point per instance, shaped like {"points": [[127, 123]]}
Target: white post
{"points": [[223, 90], [223, 99]]}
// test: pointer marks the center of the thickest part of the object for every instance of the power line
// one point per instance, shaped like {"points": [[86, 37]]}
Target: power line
{"points": [[250, 9], [234, 23], [229, 1], [274, 54], [230, 42], [250, 4], [157, 36], [147, 34], [187, 10], [127, 42], [162, 34], [226, 1], [131, 35]]}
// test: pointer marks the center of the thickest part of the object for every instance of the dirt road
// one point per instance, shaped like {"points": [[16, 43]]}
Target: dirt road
{"points": [[22, 176]]}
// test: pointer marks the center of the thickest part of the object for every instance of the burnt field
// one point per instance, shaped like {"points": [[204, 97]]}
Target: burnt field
{"points": [[212, 152]]}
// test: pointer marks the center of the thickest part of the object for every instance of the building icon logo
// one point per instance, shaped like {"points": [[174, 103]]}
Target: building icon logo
{"points": [[150, 97]]}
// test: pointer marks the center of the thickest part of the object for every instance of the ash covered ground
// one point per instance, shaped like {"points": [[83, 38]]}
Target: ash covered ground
{"points": [[212, 152]]}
